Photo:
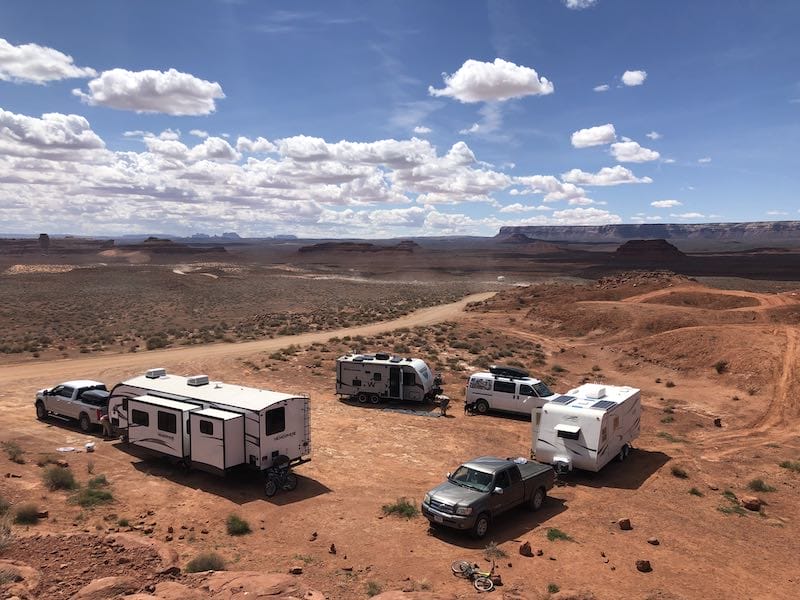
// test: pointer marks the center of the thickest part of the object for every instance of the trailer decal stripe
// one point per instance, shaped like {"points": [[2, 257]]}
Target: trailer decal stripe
{"points": [[154, 441]]}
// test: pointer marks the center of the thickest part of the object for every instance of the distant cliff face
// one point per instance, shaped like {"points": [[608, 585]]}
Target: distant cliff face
{"points": [[765, 230]]}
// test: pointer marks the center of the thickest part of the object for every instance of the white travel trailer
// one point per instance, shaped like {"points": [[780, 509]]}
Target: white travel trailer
{"points": [[211, 425], [587, 427], [507, 389], [381, 377]]}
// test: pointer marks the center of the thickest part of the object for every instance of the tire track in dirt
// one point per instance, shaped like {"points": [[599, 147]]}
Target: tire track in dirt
{"points": [[72, 368]]}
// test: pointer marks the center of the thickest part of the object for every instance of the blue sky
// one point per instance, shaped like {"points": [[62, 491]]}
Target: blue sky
{"points": [[389, 118]]}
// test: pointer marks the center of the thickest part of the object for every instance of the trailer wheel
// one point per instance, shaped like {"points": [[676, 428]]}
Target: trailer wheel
{"points": [[270, 488], [84, 423], [362, 397], [41, 411], [481, 407], [374, 399], [538, 498]]}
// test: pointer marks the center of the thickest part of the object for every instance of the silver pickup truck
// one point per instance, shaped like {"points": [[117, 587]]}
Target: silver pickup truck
{"points": [[83, 400], [483, 488]]}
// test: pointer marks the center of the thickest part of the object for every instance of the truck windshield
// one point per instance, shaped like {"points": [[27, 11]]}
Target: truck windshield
{"points": [[542, 390], [477, 480]]}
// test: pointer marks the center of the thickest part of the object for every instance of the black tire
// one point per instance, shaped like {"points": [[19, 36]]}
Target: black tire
{"points": [[41, 411], [374, 399], [538, 498], [362, 397], [481, 527], [84, 423], [483, 584], [481, 407], [291, 482], [270, 488], [460, 568]]}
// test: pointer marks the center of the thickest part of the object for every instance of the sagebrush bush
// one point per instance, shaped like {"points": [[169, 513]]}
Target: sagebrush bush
{"points": [[206, 561], [59, 478], [402, 508], [26, 514], [237, 525]]}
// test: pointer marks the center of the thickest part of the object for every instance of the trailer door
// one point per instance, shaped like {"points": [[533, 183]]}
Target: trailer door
{"points": [[394, 382]]}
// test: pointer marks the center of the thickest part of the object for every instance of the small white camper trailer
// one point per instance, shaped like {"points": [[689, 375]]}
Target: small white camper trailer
{"points": [[586, 427], [381, 377], [211, 425]]}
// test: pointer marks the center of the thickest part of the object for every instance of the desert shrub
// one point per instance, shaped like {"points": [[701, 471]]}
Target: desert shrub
{"points": [[721, 366], [759, 485], [695, 492], [14, 452], [206, 561], [554, 534], [402, 508], [668, 419], [237, 525], [595, 368], [492, 550], [669, 437], [670, 383], [47, 459], [792, 465], [557, 369], [99, 481], [59, 478], [679, 473], [156, 342], [373, 588], [552, 588], [89, 497], [4, 506], [124, 522], [25, 514]]}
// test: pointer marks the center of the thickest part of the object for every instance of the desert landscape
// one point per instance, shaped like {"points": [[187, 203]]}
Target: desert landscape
{"points": [[710, 488]]}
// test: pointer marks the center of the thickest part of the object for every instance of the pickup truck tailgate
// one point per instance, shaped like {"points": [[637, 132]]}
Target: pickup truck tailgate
{"points": [[531, 469]]}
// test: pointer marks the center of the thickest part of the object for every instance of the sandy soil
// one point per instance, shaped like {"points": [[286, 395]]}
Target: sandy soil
{"points": [[364, 458]]}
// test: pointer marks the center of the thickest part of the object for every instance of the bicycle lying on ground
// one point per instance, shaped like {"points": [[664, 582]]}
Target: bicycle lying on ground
{"points": [[480, 579]]}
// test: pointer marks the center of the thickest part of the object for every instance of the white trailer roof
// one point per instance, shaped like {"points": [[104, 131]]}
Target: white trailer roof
{"points": [[593, 397], [214, 413], [214, 391], [166, 403]]}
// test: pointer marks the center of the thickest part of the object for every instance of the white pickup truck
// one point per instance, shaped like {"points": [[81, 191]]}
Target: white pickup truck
{"points": [[83, 400]]}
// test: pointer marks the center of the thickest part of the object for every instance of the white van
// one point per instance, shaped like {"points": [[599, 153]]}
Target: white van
{"points": [[506, 389]]}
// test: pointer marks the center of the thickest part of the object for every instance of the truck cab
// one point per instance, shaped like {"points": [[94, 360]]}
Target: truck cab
{"points": [[84, 400]]}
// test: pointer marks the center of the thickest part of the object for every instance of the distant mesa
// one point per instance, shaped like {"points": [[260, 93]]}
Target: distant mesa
{"points": [[361, 247], [156, 245], [531, 243], [45, 244], [648, 250]]}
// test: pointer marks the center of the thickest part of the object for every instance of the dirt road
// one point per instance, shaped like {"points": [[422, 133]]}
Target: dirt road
{"points": [[72, 368]]}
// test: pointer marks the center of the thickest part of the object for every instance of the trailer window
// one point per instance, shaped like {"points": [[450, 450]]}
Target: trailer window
{"points": [[356, 383], [139, 417], [569, 435], [276, 420], [505, 386], [167, 422], [409, 378], [206, 427], [376, 376]]}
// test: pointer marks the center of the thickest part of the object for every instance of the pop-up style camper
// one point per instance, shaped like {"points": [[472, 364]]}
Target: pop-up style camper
{"points": [[587, 427], [211, 425], [381, 377]]}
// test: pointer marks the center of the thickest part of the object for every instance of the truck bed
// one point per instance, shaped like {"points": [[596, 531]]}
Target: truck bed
{"points": [[532, 468]]}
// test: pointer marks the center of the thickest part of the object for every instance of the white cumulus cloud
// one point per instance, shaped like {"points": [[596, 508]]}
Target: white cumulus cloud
{"points": [[654, 135], [594, 136], [666, 203], [520, 208], [199, 133], [688, 215], [53, 136], [601, 88], [32, 63], [579, 4], [633, 78], [616, 175], [704, 160], [256, 146], [630, 151], [170, 92], [421, 129], [500, 80]]}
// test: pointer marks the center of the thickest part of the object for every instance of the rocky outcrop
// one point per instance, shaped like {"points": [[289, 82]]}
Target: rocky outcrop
{"points": [[763, 230]]}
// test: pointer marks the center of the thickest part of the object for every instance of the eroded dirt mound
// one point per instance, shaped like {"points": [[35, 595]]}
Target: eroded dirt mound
{"points": [[703, 300], [648, 250]]}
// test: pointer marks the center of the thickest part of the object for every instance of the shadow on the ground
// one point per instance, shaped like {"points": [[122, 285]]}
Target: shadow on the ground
{"points": [[627, 475], [407, 408], [510, 526], [240, 485]]}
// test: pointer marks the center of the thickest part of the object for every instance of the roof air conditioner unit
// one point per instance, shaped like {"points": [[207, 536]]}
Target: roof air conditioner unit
{"points": [[197, 380], [155, 373]]}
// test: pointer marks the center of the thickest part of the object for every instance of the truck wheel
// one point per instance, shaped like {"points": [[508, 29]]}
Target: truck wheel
{"points": [[41, 411], [538, 498], [481, 407], [481, 526], [84, 423]]}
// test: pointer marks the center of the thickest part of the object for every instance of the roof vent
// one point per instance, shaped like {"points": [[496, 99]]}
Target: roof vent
{"points": [[382, 356], [594, 391], [197, 380], [155, 373]]}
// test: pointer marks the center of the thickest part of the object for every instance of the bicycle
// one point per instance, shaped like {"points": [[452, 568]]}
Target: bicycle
{"points": [[279, 476], [481, 580]]}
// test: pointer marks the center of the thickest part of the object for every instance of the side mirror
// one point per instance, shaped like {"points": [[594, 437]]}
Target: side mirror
{"points": [[498, 490]]}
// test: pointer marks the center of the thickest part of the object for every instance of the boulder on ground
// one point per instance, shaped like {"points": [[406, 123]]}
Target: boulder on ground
{"points": [[644, 566], [625, 524], [107, 587], [753, 503], [525, 549]]}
